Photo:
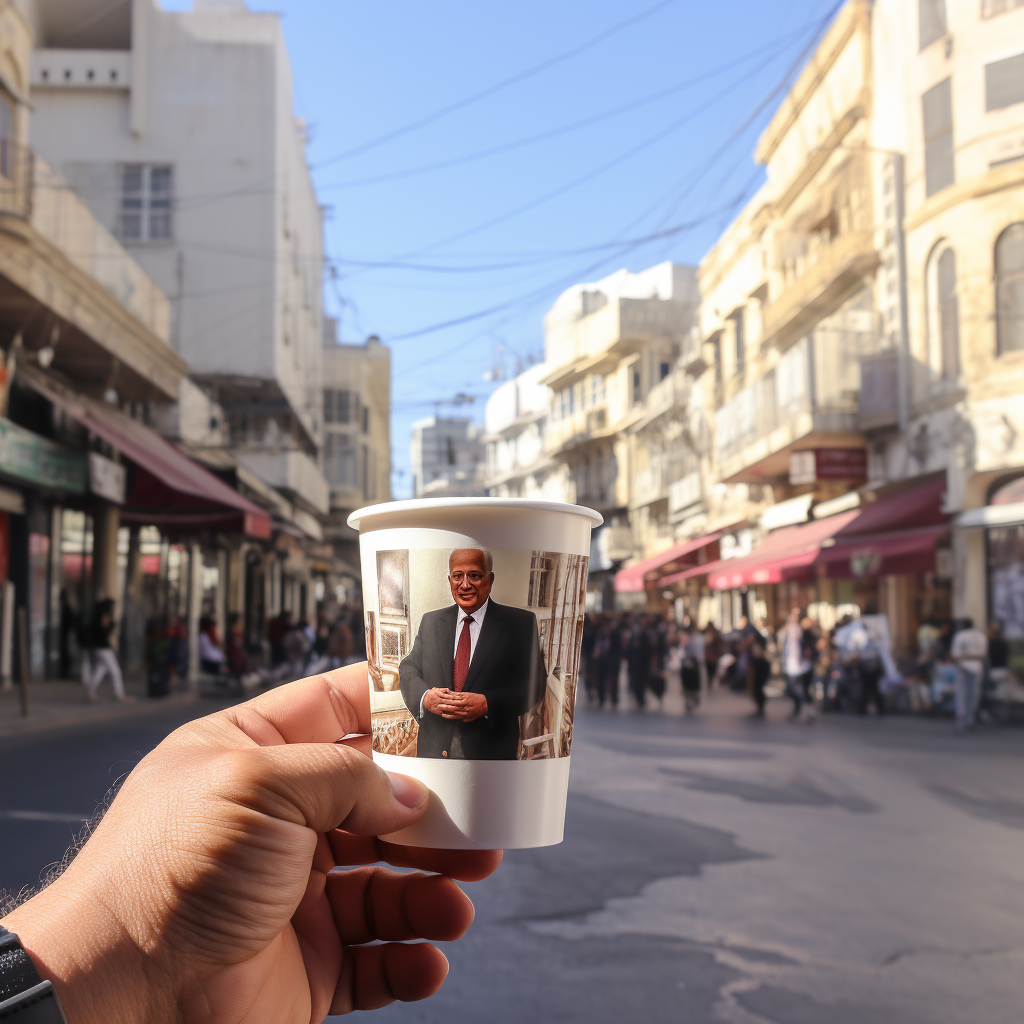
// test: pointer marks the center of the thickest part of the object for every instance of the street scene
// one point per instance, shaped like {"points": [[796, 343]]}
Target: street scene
{"points": [[714, 868], [696, 333]]}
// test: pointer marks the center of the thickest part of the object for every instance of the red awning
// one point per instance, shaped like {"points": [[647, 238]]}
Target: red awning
{"points": [[785, 554], [909, 509], [167, 487], [899, 553], [633, 578]]}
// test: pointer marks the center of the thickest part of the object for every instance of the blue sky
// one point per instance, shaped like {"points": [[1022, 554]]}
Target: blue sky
{"points": [[491, 240]]}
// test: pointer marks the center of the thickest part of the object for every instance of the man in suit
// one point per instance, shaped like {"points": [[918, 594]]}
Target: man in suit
{"points": [[475, 667]]}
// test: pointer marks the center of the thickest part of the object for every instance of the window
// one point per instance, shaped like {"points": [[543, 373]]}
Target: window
{"points": [[931, 20], [663, 370], [339, 460], [1010, 289], [597, 384], [943, 325], [337, 406], [937, 109], [741, 341], [1004, 83], [366, 419], [146, 198], [637, 392]]}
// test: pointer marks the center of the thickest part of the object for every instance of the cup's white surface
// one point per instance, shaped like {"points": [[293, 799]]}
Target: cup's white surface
{"points": [[494, 803]]}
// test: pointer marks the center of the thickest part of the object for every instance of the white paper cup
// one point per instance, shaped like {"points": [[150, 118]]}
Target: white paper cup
{"points": [[500, 780]]}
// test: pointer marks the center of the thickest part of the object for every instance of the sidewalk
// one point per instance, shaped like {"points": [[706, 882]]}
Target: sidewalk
{"points": [[55, 704]]}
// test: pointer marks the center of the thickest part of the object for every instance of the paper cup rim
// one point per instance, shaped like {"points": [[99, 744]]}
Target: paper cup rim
{"points": [[363, 516]]}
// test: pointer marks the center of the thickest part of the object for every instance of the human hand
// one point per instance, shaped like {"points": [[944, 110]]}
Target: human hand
{"points": [[207, 891], [464, 706], [434, 699]]}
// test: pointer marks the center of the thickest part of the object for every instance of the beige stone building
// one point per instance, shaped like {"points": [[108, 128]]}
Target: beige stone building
{"points": [[856, 360], [357, 440]]}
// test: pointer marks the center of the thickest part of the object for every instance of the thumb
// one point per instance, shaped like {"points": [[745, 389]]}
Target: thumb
{"points": [[325, 786]]}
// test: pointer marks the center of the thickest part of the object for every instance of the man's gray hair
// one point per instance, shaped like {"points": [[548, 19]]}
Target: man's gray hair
{"points": [[488, 560]]}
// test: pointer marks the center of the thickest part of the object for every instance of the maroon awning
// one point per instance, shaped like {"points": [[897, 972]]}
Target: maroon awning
{"points": [[168, 488], [634, 578], [897, 553]]}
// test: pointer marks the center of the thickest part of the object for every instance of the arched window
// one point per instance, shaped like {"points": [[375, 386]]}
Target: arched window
{"points": [[943, 328], [1010, 289]]}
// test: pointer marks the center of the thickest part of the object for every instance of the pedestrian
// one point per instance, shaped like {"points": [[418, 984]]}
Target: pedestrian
{"points": [[207, 890], [968, 651], [714, 648], [657, 630], [638, 658], [796, 646], [212, 659], [759, 671], [607, 658], [277, 627], [689, 670], [103, 661]]}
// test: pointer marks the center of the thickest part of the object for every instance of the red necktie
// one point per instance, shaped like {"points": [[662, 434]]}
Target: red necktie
{"points": [[462, 655]]}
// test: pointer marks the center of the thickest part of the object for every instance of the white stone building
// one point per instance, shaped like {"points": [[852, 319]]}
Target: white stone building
{"points": [[447, 456], [178, 130]]}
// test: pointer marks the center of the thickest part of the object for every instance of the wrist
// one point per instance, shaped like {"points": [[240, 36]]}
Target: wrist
{"points": [[76, 943]]}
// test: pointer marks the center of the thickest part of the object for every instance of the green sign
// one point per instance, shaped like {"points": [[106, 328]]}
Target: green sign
{"points": [[28, 456]]}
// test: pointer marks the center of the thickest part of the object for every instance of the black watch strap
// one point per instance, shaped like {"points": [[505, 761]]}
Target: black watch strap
{"points": [[24, 997]]}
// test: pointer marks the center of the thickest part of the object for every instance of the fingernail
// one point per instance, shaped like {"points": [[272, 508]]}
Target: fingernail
{"points": [[408, 792]]}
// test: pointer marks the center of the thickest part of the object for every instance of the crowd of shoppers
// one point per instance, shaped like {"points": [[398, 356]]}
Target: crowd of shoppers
{"points": [[627, 658]]}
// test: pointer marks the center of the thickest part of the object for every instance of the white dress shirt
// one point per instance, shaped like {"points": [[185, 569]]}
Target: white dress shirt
{"points": [[474, 628], [474, 635]]}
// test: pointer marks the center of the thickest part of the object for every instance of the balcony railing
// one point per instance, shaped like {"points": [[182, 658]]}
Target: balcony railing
{"points": [[683, 493]]}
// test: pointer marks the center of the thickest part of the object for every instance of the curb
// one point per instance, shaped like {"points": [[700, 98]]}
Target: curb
{"points": [[23, 726]]}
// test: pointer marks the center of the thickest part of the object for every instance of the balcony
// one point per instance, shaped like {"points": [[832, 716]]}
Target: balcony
{"points": [[878, 400], [112, 321], [685, 492], [577, 428], [810, 399], [597, 341], [291, 471], [822, 252]]}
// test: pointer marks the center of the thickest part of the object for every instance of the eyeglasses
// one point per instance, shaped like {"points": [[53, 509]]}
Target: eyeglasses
{"points": [[473, 576]]}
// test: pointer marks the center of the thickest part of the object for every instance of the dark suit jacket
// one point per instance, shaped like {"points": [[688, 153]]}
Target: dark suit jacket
{"points": [[507, 668]]}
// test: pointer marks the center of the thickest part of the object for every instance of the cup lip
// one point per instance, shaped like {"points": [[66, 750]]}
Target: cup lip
{"points": [[363, 516]]}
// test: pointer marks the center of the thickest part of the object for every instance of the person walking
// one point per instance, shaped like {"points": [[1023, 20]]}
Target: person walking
{"points": [[795, 659], [103, 661], [691, 650], [714, 648], [968, 651]]}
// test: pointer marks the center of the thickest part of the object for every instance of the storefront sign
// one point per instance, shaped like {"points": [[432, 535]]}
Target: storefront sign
{"points": [[808, 467], [107, 478], [28, 456]]}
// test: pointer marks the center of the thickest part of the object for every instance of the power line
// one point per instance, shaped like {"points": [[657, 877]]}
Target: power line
{"points": [[496, 88], [564, 129], [593, 173]]}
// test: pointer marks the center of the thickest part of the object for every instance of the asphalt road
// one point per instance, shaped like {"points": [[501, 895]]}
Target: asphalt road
{"points": [[854, 871]]}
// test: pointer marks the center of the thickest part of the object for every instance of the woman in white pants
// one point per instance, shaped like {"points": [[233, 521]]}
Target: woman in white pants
{"points": [[100, 660]]}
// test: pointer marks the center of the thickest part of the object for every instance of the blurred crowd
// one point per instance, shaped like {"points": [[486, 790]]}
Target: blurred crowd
{"points": [[291, 648], [959, 669]]}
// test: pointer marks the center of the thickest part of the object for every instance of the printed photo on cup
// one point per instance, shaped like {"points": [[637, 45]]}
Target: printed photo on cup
{"points": [[474, 652]]}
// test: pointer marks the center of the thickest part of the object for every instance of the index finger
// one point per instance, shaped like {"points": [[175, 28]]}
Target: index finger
{"points": [[466, 865], [318, 709]]}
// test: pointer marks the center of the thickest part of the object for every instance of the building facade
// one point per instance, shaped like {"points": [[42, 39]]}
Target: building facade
{"points": [[447, 457], [357, 442], [177, 129], [854, 383]]}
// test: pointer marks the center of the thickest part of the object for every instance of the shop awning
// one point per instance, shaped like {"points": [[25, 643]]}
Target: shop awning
{"points": [[783, 555], [908, 509], [898, 553], [634, 578], [167, 487]]}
